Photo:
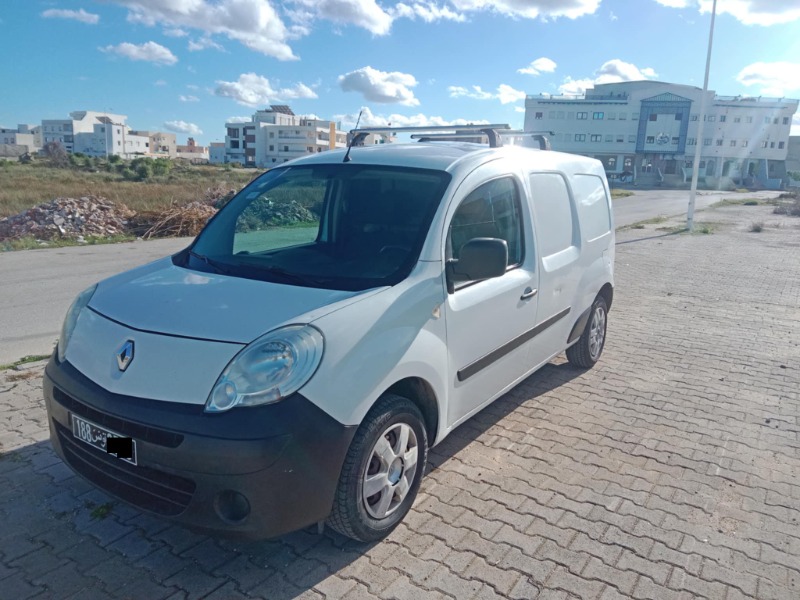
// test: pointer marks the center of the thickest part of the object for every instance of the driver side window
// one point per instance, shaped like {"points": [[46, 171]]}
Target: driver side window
{"points": [[491, 210]]}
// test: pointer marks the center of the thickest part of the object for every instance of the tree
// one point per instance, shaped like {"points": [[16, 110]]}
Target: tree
{"points": [[56, 154]]}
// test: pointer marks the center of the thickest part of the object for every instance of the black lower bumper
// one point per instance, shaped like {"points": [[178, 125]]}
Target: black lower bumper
{"points": [[251, 472]]}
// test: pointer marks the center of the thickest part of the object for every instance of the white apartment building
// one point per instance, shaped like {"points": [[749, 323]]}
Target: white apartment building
{"points": [[95, 134], [216, 153], [647, 131], [162, 145], [277, 135], [25, 138]]}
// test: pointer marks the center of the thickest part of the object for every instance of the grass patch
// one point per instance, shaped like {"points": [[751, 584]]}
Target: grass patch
{"points": [[621, 193], [31, 243], [735, 202], [641, 224], [101, 511], [757, 227], [25, 360], [13, 377], [25, 186]]}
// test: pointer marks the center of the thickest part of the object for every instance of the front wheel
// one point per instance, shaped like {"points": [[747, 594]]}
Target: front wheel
{"points": [[586, 352], [382, 471]]}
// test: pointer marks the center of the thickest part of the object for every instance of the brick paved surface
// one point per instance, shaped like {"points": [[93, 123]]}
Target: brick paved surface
{"points": [[671, 470]]}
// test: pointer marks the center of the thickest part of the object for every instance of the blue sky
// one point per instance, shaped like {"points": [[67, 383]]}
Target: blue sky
{"points": [[190, 65]]}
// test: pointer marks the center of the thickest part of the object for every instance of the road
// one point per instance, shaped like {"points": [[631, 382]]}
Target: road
{"points": [[37, 286]]}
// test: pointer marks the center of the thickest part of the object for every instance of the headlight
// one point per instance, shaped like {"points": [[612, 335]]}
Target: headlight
{"points": [[272, 367], [71, 319]]}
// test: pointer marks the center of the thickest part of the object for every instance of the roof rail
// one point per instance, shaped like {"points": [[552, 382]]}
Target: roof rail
{"points": [[540, 137], [492, 131]]}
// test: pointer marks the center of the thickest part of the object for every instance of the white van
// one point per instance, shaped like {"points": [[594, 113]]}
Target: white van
{"points": [[336, 319]]}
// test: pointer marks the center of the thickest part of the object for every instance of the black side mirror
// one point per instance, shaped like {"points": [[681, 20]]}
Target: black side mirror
{"points": [[480, 258]]}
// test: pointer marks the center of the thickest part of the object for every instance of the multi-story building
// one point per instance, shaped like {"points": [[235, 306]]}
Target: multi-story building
{"points": [[95, 134], [23, 139], [277, 135], [162, 145], [647, 131], [192, 152], [216, 153]]}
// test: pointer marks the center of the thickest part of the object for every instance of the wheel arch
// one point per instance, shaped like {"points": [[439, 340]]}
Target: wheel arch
{"points": [[607, 293], [421, 393]]}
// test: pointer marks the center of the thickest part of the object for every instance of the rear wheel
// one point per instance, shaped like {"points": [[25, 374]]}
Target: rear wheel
{"points": [[382, 471], [586, 352]]}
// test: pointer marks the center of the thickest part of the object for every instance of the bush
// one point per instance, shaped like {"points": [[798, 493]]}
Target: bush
{"points": [[757, 227], [128, 174], [114, 159], [265, 212], [144, 171], [161, 166]]}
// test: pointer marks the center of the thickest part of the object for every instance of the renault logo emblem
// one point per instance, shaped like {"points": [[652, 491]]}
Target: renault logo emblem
{"points": [[125, 355]]}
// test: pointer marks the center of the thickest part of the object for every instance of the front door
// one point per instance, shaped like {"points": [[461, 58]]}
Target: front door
{"points": [[485, 319]]}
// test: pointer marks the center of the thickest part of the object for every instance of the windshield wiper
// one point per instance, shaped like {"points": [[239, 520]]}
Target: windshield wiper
{"points": [[216, 265], [284, 275]]}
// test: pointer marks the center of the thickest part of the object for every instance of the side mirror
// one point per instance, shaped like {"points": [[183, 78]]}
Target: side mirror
{"points": [[480, 258]]}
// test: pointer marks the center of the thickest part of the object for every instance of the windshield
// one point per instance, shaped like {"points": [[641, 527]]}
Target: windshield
{"points": [[347, 227]]}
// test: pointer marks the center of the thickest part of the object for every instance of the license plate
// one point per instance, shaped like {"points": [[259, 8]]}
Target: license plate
{"points": [[119, 446]]}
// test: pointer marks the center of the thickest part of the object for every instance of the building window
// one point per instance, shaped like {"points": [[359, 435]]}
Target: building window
{"points": [[780, 145], [675, 141], [744, 143], [764, 144], [539, 116], [271, 134], [596, 137], [654, 117], [612, 116], [722, 118], [775, 121], [772, 144], [749, 119], [631, 139], [785, 120], [623, 116], [582, 116], [272, 148], [309, 149], [679, 116], [234, 143], [707, 142], [620, 139], [766, 120], [580, 137], [627, 164], [651, 139], [733, 143], [719, 142], [737, 119], [233, 132], [691, 141], [609, 137], [612, 162], [598, 116], [711, 118], [286, 148]]}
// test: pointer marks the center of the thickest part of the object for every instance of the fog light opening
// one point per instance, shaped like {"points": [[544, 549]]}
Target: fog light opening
{"points": [[232, 507]]}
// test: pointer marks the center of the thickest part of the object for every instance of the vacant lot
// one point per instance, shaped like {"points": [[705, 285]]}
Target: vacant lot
{"points": [[24, 186]]}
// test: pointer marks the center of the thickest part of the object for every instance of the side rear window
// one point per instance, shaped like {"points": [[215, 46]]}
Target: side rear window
{"points": [[553, 212], [491, 210], [590, 196]]}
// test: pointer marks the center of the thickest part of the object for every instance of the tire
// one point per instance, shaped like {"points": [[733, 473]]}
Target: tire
{"points": [[586, 352], [392, 433]]}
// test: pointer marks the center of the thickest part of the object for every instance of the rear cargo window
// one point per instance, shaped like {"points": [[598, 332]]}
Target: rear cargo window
{"points": [[590, 195]]}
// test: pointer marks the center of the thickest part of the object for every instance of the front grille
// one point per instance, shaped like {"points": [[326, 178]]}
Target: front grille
{"points": [[152, 435], [147, 488]]}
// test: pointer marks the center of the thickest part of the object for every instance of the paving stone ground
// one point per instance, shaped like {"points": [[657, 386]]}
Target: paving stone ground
{"points": [[671, 470]]}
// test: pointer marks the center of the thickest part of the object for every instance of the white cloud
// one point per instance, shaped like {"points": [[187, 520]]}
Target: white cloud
{"points": [[519, 109], [369, 119], [366, 14], [539, 66], [505, 93], [175, 32], [183, 127], [531, 9], [795, 125], [204, 43], [188, 98], [254, 90], [749, 12], [160, 83], [253, 23], [612, 71], [426, 11], [238, 119], [150, 52], [192, 87], [774, 79], [380, 86], [76, 15]]}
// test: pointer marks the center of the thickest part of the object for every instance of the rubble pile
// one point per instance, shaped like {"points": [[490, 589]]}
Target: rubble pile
{"points": [[70, 218], [176, 221]]}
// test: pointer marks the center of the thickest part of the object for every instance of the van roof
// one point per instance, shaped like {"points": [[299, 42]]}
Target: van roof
{"points": [[442, 156]]}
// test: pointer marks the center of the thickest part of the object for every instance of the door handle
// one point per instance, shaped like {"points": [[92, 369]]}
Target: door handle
{"points": [[528, 293]]}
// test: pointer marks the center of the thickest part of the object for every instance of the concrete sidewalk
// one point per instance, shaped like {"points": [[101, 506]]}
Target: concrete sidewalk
{"points": [[671, 470]]}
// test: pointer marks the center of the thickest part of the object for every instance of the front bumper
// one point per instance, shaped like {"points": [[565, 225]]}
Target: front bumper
{"points": [[195, 467]]}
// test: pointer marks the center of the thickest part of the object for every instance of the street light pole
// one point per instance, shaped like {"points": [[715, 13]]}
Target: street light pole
{"points": [[700, 126]]}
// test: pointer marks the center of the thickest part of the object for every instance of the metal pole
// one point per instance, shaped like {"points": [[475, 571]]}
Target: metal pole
{"points": [[700, 126]]}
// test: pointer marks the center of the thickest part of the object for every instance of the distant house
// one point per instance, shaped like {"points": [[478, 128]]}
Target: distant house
{"points": [[95, 134], [648, 131], [162, 145], [192, 152], [277, 135], [16, 142], [216, 153]]}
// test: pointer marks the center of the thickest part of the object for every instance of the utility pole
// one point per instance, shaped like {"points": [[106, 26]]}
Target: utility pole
{"points": [[701, 123]]}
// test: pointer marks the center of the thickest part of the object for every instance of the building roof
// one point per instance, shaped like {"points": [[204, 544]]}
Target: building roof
{"points": [[281, 108]]}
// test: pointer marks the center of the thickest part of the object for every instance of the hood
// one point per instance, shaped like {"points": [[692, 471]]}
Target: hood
{"points": [[163, 298]]}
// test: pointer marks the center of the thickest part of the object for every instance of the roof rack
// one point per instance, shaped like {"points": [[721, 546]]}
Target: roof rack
{"points": [[492, 131], [538, 136]]}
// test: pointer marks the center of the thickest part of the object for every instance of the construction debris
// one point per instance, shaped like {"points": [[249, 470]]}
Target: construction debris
{"points": [[176, 221], [68, 218]]}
